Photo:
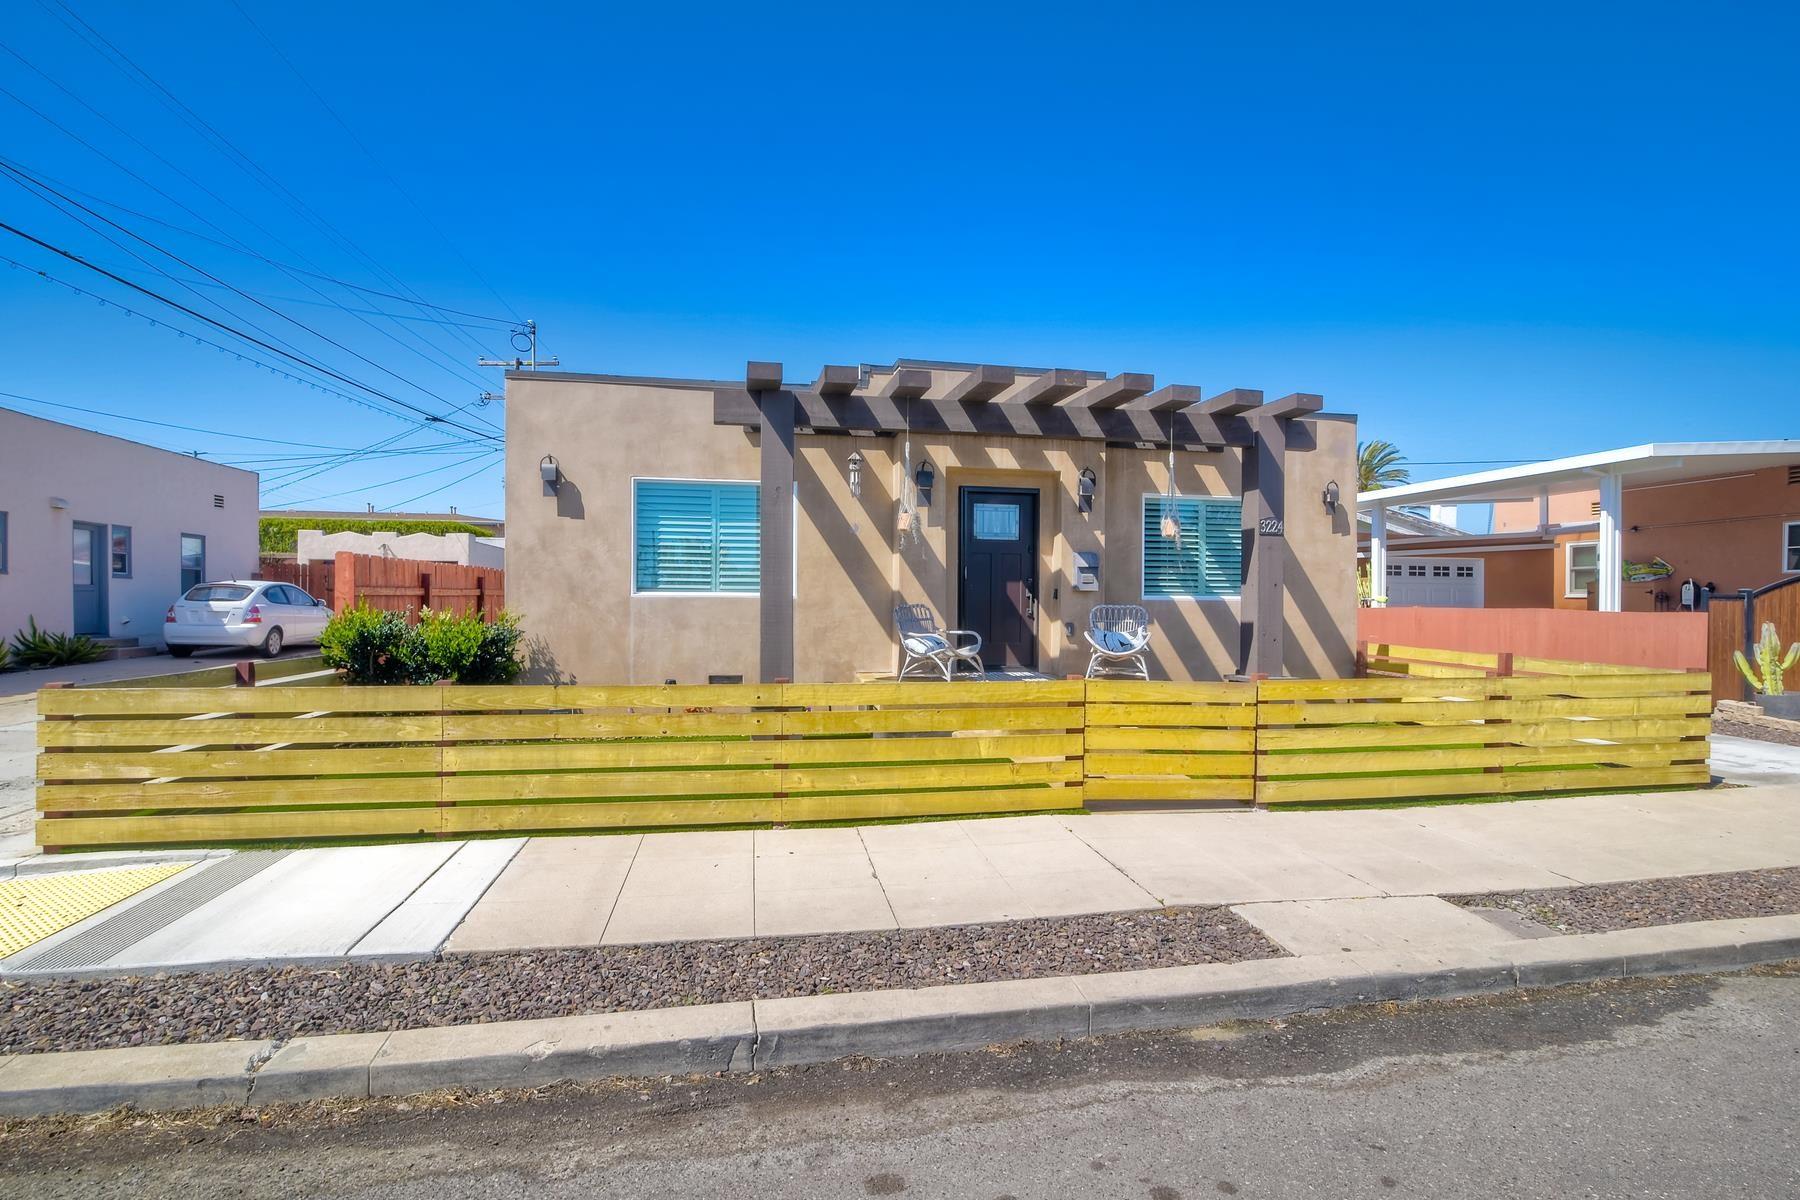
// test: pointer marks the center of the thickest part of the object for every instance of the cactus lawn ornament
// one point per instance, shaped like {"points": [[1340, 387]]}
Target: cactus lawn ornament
{"points": [[1766, 677]]}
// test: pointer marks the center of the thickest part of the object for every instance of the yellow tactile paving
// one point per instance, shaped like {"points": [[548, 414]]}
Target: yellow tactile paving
{"points": [[33, 908]]}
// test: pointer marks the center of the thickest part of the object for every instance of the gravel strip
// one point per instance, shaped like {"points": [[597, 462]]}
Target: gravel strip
{"points": [[354, 997], [1747, 721], [1600, 907]]}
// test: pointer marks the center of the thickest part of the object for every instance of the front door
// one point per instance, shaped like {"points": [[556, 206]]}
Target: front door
{"points": [[89, 557], [997, 594]]}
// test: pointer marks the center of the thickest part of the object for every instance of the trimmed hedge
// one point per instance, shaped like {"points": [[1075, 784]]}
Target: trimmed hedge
{"points": [[281, 535]]}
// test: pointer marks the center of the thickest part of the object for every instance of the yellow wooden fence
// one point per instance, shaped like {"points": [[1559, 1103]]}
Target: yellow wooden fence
{"points": [[162, 766]]}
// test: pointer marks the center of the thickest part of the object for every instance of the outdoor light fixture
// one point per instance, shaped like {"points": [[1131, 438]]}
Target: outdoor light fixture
{"points": [[1084, 490], [1330, 496], [856, 464], [550, 473], [923, 479]]}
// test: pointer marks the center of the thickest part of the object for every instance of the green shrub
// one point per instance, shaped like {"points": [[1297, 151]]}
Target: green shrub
{"points": [[5, 656], [35, 648], [281, 535], [374, 647]]}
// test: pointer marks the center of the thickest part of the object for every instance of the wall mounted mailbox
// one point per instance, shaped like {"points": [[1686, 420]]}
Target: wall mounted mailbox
{"points": [[1087, 570]]}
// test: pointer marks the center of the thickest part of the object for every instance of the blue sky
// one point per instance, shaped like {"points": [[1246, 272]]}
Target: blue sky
{"points": [[1492, 234]]}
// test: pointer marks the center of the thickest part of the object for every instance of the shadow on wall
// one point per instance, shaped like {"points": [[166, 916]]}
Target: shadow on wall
{"points": [[568, 499], [540, 665], [1316, 614]]}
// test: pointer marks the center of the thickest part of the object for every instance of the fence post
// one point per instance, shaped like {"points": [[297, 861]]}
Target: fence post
{"points": [[343, 582], [443, 743], [1362, 659], [481, 597], [1503, 669], [1748, 597], [244, 673], [425, 592]]}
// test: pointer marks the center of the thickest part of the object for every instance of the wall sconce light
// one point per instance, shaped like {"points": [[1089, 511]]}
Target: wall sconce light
{"points": [[856, 465], [550, 473], [1330, 496], [923, 479], [1084, 489]]}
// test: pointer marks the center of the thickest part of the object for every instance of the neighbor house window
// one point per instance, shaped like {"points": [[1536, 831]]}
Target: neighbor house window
{"points": [[193, 560], [1790, 545], [1206, 560], [1582, 566], [121, 551], [2, 543], [696, 537]]}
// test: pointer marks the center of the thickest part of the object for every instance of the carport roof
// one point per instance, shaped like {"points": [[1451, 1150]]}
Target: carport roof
{"points": [[1654, 462]]}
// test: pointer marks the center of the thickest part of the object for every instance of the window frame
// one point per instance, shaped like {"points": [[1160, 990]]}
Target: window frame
{"points": [[1789, 545], [1569, 569], [180, 553], [1144, 593], [636, 591], [112, 540]]}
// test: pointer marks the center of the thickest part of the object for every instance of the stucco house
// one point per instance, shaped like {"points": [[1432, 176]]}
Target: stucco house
{"points": [[99, 534], [1617, 530], [647, 519]]}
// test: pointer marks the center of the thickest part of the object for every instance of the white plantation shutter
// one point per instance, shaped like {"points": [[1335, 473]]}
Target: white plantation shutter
{"points": [[696, 537], [1206, 560]]}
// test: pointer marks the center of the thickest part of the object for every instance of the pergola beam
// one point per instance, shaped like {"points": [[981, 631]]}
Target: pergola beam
{"points": [[1171, 397], [1300, 404], [837, 380], [982, 385], [1233, 402], [1111, 393], [885, 414], [908, 383], [1049, 388], [775, 408]]}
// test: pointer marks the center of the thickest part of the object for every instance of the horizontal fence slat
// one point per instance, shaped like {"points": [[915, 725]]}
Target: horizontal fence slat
{"points": [[240, 793], [1532, 733], [1132, 691], [1426, 786], [1151, 763], [1463, 758], [1375, 689], [1102, 737], [146, 702], [260, 731], [368, 761], [1467, 658], [589, 756], [1185, 790], [1203, 716]]}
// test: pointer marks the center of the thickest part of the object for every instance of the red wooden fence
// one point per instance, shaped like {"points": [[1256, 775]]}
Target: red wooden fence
{"points": [[1663, 641], [394, 584]]}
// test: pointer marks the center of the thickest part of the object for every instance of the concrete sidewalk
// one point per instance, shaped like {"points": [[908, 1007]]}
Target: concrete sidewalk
{"points": [[412, 900]]}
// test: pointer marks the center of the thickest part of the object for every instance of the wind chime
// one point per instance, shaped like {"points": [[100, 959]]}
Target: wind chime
{"points": [[1171, 518]]}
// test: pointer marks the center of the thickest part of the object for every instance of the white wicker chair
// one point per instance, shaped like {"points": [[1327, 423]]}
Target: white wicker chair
{"points": [[925, 647], [1119, 634]]}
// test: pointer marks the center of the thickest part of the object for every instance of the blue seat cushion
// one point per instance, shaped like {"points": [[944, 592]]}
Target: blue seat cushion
{"points": [[1114, 642]]}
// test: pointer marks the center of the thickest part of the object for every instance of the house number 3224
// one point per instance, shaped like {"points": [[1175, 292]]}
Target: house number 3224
{"points": [[1269, 526]]}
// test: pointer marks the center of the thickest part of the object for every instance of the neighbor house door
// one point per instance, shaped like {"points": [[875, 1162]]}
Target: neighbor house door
{"points": [[89, 557], [997, 592]]}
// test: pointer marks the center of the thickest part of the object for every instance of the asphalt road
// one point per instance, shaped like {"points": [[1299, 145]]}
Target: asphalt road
{"points": [[1677, 1088]]}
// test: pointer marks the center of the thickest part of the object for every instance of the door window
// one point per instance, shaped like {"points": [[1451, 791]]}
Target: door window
{"points": [[193, 560], [1583, 568], [84, 556], [996, 522], [121, 551]]}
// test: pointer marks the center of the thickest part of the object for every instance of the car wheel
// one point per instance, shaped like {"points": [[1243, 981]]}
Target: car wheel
{"points": [[272, 644], [181, 651]]}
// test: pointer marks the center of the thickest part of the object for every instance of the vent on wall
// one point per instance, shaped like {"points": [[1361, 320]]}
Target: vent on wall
{"points": [[1794, 474], [1594, 509], [218, 500]]}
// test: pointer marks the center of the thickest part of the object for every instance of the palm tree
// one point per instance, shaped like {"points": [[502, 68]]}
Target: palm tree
{"points": [[1379, 465]]}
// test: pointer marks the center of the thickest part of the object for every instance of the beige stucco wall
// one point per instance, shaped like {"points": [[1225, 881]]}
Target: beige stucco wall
{"points": [[569, 556], [112, 481], [465, 549]]}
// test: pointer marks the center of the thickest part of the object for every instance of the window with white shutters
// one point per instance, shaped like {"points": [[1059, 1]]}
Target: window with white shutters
{"points": [[696, 537], [1206, 560]]}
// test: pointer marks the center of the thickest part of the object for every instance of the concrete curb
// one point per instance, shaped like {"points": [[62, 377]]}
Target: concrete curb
{"points": [[57, 864], [761, 1034]]}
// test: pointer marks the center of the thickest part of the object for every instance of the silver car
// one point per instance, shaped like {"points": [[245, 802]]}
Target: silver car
{"points": [[246, 613]]}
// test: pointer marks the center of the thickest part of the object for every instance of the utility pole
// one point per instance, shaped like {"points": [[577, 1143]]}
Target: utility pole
{"points": [[524, 340]]}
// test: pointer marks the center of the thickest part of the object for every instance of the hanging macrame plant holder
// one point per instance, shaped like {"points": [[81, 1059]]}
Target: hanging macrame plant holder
{"points": [[1171, 516], [909, 523]]}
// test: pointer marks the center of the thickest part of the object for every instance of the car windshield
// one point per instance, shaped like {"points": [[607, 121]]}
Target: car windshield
{"points": [[217, 591]]}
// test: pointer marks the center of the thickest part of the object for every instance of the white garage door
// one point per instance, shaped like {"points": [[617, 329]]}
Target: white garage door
{"points": [[1434, 582]]}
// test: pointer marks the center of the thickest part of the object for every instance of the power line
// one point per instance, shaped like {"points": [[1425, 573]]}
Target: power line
{"points": [[402, 479], [182, 308], [367, 153], [96, 412], [446, 487], [449, 363], [13, 170]]}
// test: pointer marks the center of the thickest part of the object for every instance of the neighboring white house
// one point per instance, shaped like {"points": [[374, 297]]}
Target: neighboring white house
{"points": [[99, 534], [466, 549]]}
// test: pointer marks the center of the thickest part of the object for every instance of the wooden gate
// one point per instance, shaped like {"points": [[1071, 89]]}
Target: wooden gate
{"points": [[1735, 623]]}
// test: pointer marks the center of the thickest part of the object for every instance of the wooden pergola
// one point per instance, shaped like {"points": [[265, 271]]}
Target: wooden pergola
{"points": [[1125, 410]]}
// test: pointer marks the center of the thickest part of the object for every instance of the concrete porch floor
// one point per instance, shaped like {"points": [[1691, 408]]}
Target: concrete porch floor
{"points": [[414, 900]]}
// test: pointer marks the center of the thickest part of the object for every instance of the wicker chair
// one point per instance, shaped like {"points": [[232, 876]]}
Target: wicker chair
{"points": [[1119, 634], [926, 647]]}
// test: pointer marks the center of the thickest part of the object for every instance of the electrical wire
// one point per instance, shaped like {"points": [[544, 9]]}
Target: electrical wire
{"points": [[182, 308], [400, 507], [462, 462]]}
